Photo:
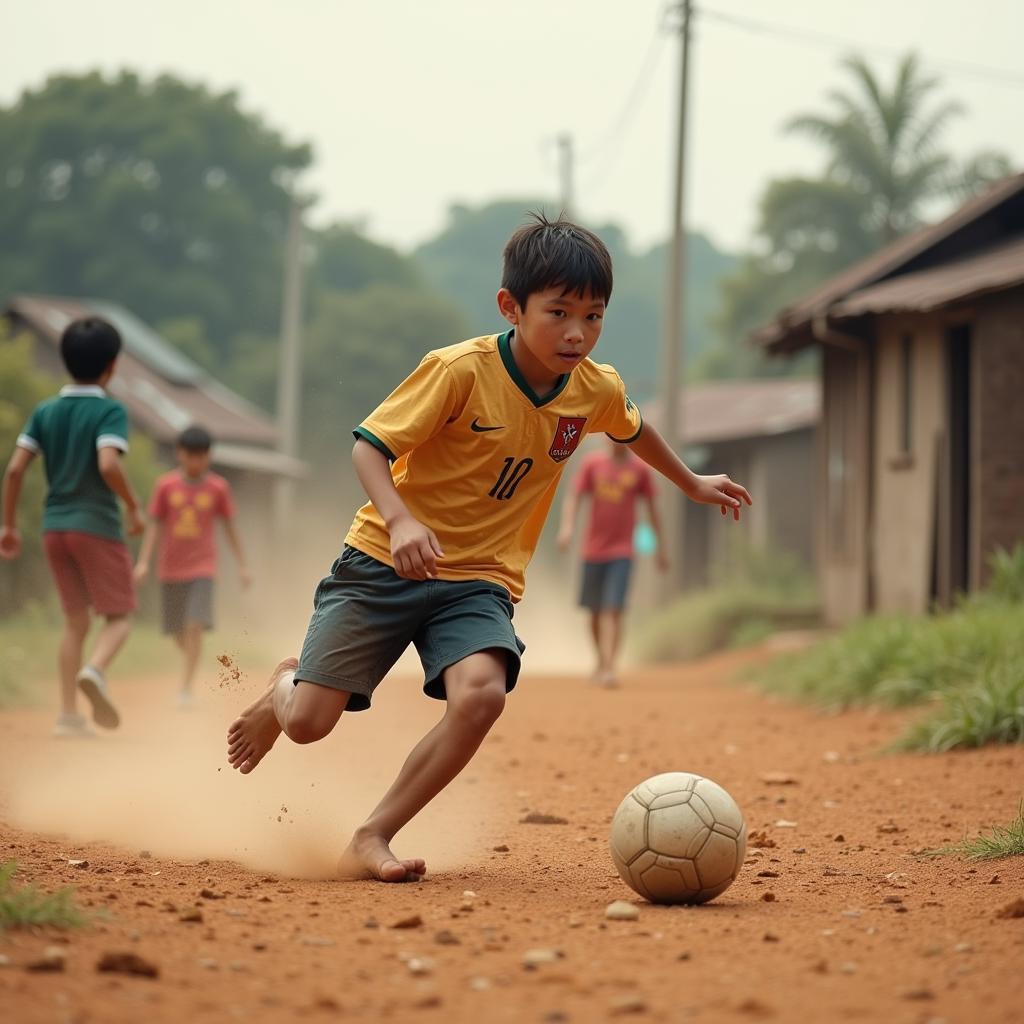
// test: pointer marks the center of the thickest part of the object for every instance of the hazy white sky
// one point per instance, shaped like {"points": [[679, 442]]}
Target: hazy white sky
{"points": [[414, 104]]}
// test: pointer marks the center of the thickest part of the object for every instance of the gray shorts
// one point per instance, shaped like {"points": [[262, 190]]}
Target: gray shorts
{"points": [[187, 601], [605, 584], [365, 615]]}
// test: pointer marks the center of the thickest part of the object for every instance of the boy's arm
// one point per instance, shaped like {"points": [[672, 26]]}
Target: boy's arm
{"points": [[655, 520], [414, 546], [10, 537], [236, 546], [114, 477], [706, 490], [149, 542], [570, 509]]}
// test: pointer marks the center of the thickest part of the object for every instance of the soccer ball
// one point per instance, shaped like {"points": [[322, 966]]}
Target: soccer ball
{"points": [[678, 838]]}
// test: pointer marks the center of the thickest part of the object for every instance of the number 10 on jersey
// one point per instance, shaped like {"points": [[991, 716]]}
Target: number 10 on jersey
{"points": [[512, 473]]}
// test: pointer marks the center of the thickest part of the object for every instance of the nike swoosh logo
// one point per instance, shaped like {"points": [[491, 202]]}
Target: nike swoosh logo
{"points": [[477, 428]]}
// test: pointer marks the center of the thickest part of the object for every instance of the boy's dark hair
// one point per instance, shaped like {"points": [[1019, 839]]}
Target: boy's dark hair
{"points": [[88, 346], [551, 253], [195, 439]]}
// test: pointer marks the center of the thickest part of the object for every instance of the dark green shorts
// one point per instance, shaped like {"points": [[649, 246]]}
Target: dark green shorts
{"points": [[365, 615]]}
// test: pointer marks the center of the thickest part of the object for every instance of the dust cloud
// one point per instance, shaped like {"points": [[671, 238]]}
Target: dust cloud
{"points": [[162, 783]]}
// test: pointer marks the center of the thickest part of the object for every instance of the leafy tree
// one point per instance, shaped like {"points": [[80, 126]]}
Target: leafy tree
{"points": [[885, 170], [157, 194]]}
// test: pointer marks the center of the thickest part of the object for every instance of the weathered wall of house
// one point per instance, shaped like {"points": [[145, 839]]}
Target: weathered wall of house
{"points": [[903, 513], [844, 467], [998, 420]]}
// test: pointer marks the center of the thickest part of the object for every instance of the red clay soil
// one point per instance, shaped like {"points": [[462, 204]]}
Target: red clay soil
{"points": [[212, 879]]}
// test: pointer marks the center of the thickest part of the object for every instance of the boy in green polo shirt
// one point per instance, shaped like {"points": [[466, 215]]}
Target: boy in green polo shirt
{"points": [[81, 434]]}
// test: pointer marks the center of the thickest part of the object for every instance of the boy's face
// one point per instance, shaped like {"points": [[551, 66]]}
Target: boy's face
{"points": [[556, 330], [191, 463]]}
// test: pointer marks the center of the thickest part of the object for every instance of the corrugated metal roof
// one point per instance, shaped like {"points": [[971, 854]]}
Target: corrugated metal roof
{"points": [[163, 390], [733, 410], [886, 262], [990, 270]]}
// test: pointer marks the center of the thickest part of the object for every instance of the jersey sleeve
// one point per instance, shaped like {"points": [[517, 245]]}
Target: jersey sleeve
{"points": [[225, 501], [112, 429], [31, 437], [414, 412], [620, 419], [158, 501]]}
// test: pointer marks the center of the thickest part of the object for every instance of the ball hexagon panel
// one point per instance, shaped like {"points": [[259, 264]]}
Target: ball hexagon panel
{"points": [[718, 861], [671, 880], [629, 830], [671, 782], [672, 831], [634, 876], [721, 805], [670, 800]]}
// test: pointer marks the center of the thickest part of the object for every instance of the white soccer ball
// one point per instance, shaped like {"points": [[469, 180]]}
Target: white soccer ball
{"points": [[678, 838]]}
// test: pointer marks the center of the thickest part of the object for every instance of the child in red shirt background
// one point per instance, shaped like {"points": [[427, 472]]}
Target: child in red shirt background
{"points": [[185, 505], [614, 480]]}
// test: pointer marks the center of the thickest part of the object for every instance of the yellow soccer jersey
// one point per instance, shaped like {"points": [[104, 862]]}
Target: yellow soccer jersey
{"points": [[477, 455]]}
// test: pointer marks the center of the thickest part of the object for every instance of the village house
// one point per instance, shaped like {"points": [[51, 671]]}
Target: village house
{"points": [[921, 465]]}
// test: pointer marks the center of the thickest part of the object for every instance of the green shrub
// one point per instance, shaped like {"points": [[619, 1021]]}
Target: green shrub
{"points": [[1007, 580], [1000, 842], [25, 906]]}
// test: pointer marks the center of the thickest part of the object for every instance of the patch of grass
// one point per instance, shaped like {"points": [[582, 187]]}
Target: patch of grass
{"points": [[758, 594], [25, 906], [1000, 842], [969, 663]]}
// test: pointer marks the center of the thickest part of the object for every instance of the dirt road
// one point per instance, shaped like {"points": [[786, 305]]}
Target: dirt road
{"points": [[220, 882]]}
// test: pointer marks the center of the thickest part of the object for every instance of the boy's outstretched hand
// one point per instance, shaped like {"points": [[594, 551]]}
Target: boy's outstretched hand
{"points": [[720, 490], [414, 548], [10, 542]]}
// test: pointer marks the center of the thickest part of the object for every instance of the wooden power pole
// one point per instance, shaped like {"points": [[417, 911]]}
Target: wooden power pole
{"points": [[674, 341]]}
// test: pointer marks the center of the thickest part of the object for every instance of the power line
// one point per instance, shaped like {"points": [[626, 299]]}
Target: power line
{"points": [[812, 38]]}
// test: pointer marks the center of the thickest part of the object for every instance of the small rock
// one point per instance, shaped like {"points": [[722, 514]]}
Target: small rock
{"points": [[620, 910], [192, 916], [769, 937], [209, 894], [799, 849], [429, 1002], [412, 921], [80, 864], [851, 913], [447, 938], [53, 959], [370, 923], [767, 874], [760, 840], [777, 779], [1012, 910], [918, 994], [536, 818], [628, 1004], [785, 823], [889, 828], [839, 838], [892, 898], [995, 880], [963, 947], [419, 965], [127, 963], [768, 897], [533, 958], [500, 849]]}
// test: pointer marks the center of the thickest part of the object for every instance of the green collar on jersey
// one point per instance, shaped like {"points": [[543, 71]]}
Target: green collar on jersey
{"points": [[505, 348]]}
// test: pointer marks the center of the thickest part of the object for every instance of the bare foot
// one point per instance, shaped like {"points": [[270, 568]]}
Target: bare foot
{"points": [[369, 856], [253, 733], [607, 679]]}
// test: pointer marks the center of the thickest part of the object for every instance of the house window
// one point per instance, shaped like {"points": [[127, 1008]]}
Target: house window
{"points": [[906, 438]]}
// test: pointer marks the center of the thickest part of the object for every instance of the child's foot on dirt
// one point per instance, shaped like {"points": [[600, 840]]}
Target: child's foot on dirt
{"points": [[254, 732], [369, 856]]}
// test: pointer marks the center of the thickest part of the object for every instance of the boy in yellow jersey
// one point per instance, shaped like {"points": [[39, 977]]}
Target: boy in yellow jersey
{"points": [[460, 463]]}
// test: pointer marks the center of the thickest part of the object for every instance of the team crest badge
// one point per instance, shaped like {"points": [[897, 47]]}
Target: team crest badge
{"points": [[568, 435]]}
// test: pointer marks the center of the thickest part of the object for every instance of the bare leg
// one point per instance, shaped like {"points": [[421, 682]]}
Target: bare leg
{"points": [[306, 712], [595, 633], [109, 640], [612, 639], [190, 640], [76, 628], [475, 688]]}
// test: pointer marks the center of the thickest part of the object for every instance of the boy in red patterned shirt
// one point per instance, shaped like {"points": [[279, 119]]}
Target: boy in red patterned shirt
{"points": [[185, 504]]}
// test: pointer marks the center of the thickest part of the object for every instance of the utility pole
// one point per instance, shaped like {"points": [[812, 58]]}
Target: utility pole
{"points": [[289, 373], [675, 335], [566, 174]]}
